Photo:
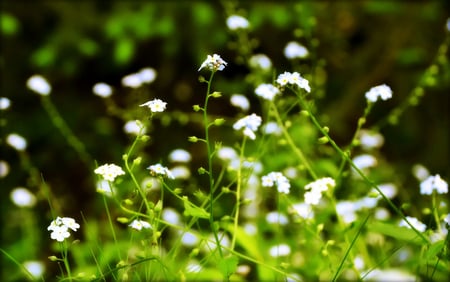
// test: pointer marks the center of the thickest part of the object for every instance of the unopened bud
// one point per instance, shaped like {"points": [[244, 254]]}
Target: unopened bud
{"points": [[216, 94]]}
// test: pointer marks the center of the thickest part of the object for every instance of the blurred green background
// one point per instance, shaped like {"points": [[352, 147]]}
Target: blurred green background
{"points": [[76, 44]]}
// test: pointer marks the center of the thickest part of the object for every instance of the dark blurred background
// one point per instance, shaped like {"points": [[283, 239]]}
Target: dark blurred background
{"points": [[76, 44]]}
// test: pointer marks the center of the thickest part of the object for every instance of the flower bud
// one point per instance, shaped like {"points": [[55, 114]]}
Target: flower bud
{"points": [[123, 220], [201, 170], [219, 121], [196, 108], [216, 94], [193, 139]]}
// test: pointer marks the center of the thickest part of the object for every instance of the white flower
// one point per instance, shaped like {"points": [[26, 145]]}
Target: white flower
{"points": [[139, 224], [237, 22], [227, 154], [293, 79], [448, 24], [278, 179], [5, 103], [272, 128], [147, 75], [103, 187], [109, 171], [59, 233], [22, 197], [315, 189], [155, 105], [189, 239], [213, 63], [181, 172], [132, 80], [295, 50], [347, 211], [250, 124], [303, 210], [447, 219], [16, 141], [267, 91], [284, 78], [171, 215], [134, 127], [370, 139], [433, 183], [381, 91], [414, 222], [240, 101], [36, 268], [39, 84], [260, 61], [70, 223], [180, 155], [280, 250], [390, 275], [102, 89], [60, 228], [158, 169], [420, 172], [4, 168], [364, 161], [388, 189]]}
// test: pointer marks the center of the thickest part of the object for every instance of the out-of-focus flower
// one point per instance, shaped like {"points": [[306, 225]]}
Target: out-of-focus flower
{"points": [[420, 172], [139, 224], [250, 124], [347, 211], [35, 268], [5, 103], [303, 210], [16, 141], [267, 91], [147, 75], [365, 161], [272, 128], [275, 217], [315, 189], [4, 168], [213, 63], [278, 179], [260, 61], [370, 139], [414, 222], [104, 187], [280, 250], [235, 22], [180, 156], [181, 172], [171, 215], [155, 105], [39, 84], [433, 183], [295, 50], [158, 169], [109, 171], [189, 239], [383, 92], [390, 275], [102, 89], [136, 80], [22, 197], [240, 101], [134, 127]]}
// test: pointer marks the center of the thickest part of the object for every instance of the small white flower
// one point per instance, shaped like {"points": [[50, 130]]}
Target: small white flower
{"points": [[383, 92], [447, 219], [189, 239], [36, 268], [347, 211], [180, 155], [16, 141], [235, 22], [132, 80], [414, 222], [102, 89], [293, 79], [139, 224], [39, 84], [280, 250], [70, 223], [240, 101], [295, 50], [364, 161], [22, 197], [227, 154], [278, 179], [171, 215], [4, 168], [388, 189], [133, 127], [267, 91], [275, 217], [155, 105], [104, 187], [420, 172], [260, 61], [193, 267], [5, 103], [181, 172], [250, 124], [370, 139], [303, 210], [284, 78], [272, 128], [147, 75], [315, 189], [60, 228], [433, 183], [109, 171], [213, 63], [158, 169]]}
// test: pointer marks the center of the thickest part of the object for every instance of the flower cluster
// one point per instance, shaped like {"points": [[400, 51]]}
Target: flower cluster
{"points": [[250, 124], [433, 183], [414, 222], [213, 63], [235, 22], [139, 224], [315, 189], [136, 80], [60, 228], [158, 169], [109, 171], [295, 50], [267, 91], [293, 79], [383, 92], [278, 179], [155, 105]]}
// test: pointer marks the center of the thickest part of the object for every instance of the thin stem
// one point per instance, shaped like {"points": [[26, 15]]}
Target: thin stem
{"points": [[63, 246], [238, 193], [111, 226]]}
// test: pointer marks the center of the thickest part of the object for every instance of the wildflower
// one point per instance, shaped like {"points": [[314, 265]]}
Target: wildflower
{"points": [[433, 183], [420, 172], [39, 84], [181, 172], [295, 50], [260, 61], [109, 171], [147, 75], [272, 128], [388, 189], [158, 169], [139, 224], [103, 187], [390, 275], [315, 189], [275, 217], [347, 211], [227, 154], [22, 197], [213, 63], [189, 239], [16, 141], [35, 268], [134, 127], [235, 22], [267, 91], [370, 139], [381, 91], [135, 80], [293, 79], [155, 105], [4, 168], [278, 179], [303, 210], [447, 219], [4, 103], [414, 222], [364, 161], [180, 155], [250, 124], [280, 250], [171, 215], [102, 89], [60, 228], [240, 101]]}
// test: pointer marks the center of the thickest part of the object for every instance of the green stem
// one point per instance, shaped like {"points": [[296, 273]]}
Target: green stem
{"points": [[238, 193], [63, 246], [111, 225]]}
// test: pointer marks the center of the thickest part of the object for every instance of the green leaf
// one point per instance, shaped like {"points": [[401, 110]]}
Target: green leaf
{"points": [[434, 249], [228, 265], [124, 50], [397, 232], [192, 210]]}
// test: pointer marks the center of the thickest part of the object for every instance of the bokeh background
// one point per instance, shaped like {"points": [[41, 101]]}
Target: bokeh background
{"points": [[76, 44]]}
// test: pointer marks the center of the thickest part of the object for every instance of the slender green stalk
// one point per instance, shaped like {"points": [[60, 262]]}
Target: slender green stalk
{"points": [[111, 226], [238, 193]]}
